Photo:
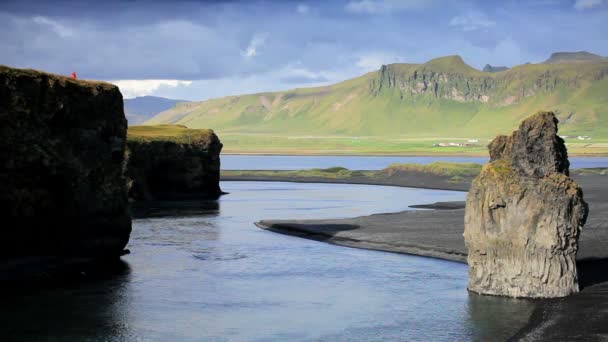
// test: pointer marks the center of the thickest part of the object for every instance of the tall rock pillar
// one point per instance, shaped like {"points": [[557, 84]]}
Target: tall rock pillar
{"points": [[524, 215]]}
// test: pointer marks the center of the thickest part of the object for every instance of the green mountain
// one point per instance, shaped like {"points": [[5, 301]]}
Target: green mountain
{"points": [[573, 57], [140, 109], [441, 98]]}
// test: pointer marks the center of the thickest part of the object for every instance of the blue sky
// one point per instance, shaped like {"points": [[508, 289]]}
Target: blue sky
{"points": [[202, 49]]}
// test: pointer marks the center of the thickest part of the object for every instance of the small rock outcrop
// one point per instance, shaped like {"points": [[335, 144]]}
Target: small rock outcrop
{"points": [[170, 162], [524, 215], [493, 68], [62, 163]]}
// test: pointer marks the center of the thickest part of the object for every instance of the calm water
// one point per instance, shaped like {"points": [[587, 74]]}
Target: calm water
{"points": [[212, 275], [247, 162]]}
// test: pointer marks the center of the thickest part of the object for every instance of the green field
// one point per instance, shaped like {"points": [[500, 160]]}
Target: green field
{"points": [[332, 145]]}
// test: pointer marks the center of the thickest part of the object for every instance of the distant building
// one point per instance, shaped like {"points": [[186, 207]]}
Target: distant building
{"points": [[473, 140]]}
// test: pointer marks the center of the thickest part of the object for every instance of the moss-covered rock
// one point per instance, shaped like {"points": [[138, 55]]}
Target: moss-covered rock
{"points": [[169, 162], [62, 160]]}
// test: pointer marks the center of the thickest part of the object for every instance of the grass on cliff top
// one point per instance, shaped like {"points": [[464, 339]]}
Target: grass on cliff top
{"points": [[63, 79], [174, 133]]}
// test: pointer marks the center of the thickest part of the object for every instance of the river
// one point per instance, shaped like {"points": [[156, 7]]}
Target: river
{"points": [[206, 273]]}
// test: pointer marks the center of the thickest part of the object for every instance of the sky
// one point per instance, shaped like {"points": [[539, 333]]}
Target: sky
{"points": [[195, 50]]}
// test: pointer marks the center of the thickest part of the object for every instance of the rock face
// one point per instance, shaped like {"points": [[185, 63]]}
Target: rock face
{"points": [[62, 161], [524, 215], [492, 68], [186, 166]]}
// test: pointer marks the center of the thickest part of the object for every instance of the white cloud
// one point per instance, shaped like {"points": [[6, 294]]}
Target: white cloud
{"points": [[587, 4], [384, 6], [302, 9], [60, 29], [472, 21], [374, 61], [135, 88], [297, 74], [256, 42]]}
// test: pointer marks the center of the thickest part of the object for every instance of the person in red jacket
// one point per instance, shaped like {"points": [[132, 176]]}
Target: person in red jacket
{"points": [[73, 75]]}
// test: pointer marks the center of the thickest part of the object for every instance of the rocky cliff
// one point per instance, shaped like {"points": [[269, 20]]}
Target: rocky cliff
{"points": [[524, 215], [169, 162], [62, 158]]}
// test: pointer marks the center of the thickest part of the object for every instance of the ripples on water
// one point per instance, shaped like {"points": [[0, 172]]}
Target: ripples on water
{"points": [[208, 274]]}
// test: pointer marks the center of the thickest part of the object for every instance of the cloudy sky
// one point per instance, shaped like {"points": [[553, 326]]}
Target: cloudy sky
{"points": [[196, 50]]}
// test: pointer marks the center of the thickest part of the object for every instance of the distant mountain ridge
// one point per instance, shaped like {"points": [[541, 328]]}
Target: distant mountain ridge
{"points": [[571, 57], [140, 109], [491, 68], [442, 97]]}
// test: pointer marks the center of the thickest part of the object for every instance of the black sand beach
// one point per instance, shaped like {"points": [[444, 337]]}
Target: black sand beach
{"points": [[438, 233]]}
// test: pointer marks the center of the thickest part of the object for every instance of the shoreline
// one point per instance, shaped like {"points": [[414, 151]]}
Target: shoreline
{"points": [[401, 178], [456, 187], [317, 233]]}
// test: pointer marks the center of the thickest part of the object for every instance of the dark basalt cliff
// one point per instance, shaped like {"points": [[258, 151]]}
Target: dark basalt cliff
{"points": [[173, 163], [524, 215], [62, 161], [451, 79]]}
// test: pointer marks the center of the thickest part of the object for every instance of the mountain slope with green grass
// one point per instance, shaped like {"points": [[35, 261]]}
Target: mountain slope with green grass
{"points": [[443, 98], [140, 109]]}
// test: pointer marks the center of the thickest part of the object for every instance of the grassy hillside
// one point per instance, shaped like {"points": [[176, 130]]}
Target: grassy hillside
{"points": [[140, 109], [402, 105]]}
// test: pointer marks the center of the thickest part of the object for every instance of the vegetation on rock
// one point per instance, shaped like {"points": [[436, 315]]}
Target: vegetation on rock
{"points": [[171, 162]]}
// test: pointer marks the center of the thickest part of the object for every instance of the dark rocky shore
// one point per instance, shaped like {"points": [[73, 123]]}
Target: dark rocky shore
{"points": [[438, 233]]}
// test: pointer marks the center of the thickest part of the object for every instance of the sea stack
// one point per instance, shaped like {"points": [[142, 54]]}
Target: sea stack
{"points": [[173, 162], [524, 215], [62, 166]]}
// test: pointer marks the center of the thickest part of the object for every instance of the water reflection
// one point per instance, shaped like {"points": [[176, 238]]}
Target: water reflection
{"points": [[484, 313], [92, 308], [173, 208]]}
